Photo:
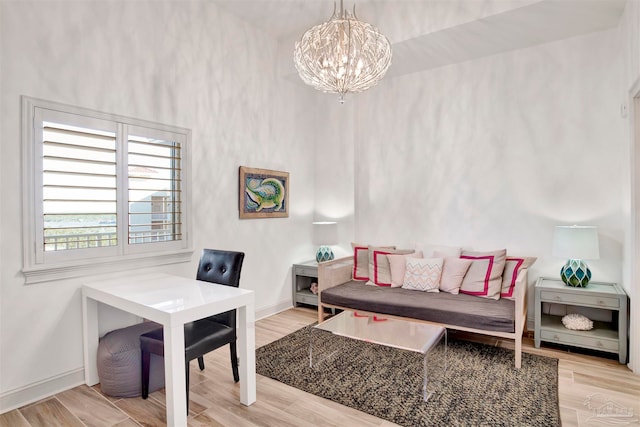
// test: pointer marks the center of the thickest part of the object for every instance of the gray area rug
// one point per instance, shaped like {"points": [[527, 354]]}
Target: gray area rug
{"points": [[481, 388]]}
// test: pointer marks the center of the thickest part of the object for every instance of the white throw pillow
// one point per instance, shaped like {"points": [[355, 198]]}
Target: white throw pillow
{"points": [[429, 251], [422, 274]]}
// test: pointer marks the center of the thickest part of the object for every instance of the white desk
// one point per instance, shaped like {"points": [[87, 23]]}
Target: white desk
{"points": [[172, 301]]}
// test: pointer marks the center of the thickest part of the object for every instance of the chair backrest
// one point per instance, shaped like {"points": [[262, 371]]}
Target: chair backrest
{"points": [[221, 267]]}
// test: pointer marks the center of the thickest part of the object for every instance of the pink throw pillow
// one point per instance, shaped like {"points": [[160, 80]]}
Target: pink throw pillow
{"points": [[361, 261], [379, 268], [511, 270], [484, 278], [397, 266]]}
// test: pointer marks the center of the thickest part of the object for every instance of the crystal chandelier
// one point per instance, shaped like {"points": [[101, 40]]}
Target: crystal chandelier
{"points": [[342, 55]]}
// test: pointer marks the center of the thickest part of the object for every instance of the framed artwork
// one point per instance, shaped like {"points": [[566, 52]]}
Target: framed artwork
{"points": [[263, 193]]}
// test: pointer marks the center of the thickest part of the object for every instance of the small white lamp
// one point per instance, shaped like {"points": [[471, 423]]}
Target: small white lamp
{"points": [[577, 243], [325, 233]]}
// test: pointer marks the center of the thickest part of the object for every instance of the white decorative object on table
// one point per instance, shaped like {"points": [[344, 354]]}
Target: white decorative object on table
{"points": [[577, 322]]}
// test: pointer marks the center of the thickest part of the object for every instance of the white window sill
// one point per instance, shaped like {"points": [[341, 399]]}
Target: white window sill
{"points": [[90, 267]]}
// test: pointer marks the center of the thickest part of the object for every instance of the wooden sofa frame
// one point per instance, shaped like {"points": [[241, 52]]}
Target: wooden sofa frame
{"points": [[339, 271]]}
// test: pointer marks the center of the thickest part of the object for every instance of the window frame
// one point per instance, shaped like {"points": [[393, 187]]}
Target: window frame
{"points": [[40, 267]]}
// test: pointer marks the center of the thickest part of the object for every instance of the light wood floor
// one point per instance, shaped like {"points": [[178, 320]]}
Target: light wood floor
{"points": [[585, 383]]}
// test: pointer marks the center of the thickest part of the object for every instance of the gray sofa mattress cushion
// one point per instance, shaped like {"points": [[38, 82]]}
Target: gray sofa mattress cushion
{"points": [[456, 310]]}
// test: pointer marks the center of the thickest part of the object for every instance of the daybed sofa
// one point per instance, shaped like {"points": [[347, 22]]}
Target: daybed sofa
{"points": [[504, 318]]}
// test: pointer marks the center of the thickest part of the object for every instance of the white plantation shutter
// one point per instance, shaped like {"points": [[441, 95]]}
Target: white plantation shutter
{"points": [[155, 187], [101, 189], [78, 187]]}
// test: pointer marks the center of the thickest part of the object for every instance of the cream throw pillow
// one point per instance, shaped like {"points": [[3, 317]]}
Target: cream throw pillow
{"points": [[422, 274], [397, 266], [453, 271]]}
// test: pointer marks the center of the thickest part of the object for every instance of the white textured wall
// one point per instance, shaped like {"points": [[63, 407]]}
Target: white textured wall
{"points": [[630, 28], [470, 154], [334, 159], [492, 153], [182, 63], [630, 34]]}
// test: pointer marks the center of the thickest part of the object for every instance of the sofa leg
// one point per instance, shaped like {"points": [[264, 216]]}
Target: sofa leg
{"points": [[519, 353]]}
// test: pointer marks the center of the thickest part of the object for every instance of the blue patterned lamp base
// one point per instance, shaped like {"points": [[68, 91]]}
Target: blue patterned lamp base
{"points": [[575, 273], [324, 254]]}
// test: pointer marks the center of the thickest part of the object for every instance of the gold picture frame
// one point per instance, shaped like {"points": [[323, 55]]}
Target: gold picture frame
{"points": [[263, 193]]}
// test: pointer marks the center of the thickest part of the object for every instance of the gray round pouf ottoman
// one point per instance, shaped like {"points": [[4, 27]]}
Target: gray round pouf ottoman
{"points": [[119, 365]]}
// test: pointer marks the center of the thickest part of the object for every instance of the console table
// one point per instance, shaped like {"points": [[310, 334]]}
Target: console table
{"points": [[172, 301], [607, 336]]}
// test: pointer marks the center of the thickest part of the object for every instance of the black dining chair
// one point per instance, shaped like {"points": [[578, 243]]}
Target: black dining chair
{"points": [[204, 335]]}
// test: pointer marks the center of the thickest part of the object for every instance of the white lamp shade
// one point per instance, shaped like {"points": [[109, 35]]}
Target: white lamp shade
{"points": [[325, 233], [576, 242]]}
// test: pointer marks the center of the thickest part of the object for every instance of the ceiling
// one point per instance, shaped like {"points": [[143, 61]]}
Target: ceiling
{"points": [[426, 34]]}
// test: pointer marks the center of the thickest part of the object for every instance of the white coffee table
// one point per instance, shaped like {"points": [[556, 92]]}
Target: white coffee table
{"points": [[428, 339]]}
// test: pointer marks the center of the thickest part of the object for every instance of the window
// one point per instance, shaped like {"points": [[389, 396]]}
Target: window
{"points": [[154, 190], [159, 209], [101, 190]]}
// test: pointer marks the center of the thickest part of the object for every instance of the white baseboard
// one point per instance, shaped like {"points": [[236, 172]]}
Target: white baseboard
{"points": [[22, 396], [25, 395], [531, 325], [273, 309]]}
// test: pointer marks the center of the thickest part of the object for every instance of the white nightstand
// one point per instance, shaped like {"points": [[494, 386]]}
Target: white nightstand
{"points": [[303, 275]]}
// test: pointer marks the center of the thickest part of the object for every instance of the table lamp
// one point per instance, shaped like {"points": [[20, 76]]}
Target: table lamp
{"points": [[577, 243], [325, 233]]}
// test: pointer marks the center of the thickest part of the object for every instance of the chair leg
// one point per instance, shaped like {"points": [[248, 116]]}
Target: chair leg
{"points": [[201, 363], [146, 366], [186, 381], [234, 361]]}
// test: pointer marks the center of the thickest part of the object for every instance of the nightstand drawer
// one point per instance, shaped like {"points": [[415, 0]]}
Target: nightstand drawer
{"points": [[577, 299], [306, 271], [578, 340]]}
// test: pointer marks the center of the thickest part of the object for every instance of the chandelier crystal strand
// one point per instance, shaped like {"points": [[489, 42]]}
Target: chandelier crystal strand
{"points": [[342, 55]]}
